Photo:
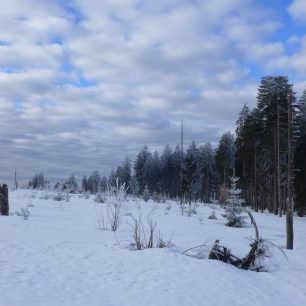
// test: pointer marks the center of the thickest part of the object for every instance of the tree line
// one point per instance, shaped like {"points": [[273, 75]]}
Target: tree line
{"points": [[271, 147], [268, 153]]}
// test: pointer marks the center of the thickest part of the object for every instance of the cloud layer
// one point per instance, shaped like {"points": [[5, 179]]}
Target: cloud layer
{"points": [[84, 83]]}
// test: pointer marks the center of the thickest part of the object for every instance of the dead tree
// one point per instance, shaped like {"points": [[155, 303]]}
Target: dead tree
{"points": [[249, 262], [224, 254], [4, 203]]}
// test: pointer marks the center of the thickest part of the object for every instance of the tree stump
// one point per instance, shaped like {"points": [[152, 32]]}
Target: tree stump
{"points": [[4, 202]]}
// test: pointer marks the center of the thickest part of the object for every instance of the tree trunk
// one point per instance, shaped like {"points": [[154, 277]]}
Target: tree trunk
{"points": [[279, 203], [181, 163], [206, 188], [255, 181], [4, 203], [289, 210], [275, 204]]}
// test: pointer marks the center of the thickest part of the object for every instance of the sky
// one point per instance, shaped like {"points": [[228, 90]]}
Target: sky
{"points": [[84, 83]]}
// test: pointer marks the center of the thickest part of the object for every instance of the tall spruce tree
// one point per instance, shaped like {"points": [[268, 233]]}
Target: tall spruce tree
{"points": [[191, 173], [206, 172], [300, 160], [126, 174], [141, 166], [225, 156], [273, 108]]}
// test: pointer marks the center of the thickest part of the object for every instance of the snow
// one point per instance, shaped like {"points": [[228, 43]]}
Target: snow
{"points": [[59, 256]]}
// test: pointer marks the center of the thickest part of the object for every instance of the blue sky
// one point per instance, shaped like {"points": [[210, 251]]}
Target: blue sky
{"points": [[84, 83]]}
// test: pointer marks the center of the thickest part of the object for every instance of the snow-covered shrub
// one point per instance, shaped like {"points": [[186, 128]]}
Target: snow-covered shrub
{"points": [[196, 205], [115, 215], [167, 207], [62, 195], [33, 195], [115, 209], [142, 240], [30, 204], [58, 197], [183, 207], [159, 198], [24, 212], [201, 219], [100, 197], [86, 195], [191, 210], [45, 195], [102, 220], [161, 243], [213, 216], [188, 209], [233, 209], [214, 201], [114, 212], [146, 194], [63, 192]]}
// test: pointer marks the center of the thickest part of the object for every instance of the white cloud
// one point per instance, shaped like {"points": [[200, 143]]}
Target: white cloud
{"points": [[297, 10], [80, 90], [295, 62]]}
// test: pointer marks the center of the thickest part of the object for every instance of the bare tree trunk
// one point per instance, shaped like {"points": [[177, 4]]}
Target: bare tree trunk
{"points": [[15, 180], [262, 202], [255, 182], [289, 210], [271, 197], [4, 203], [275, 195], [181, 161], [279, 204], [206, 187], [251, 194], [244, 191]]}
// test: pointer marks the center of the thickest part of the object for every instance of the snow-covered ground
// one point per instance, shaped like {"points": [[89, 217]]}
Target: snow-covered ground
{"points": [[60, 256]]}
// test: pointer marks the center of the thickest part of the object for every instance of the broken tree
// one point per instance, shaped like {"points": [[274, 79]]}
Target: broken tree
{"points": [[4, 203]]}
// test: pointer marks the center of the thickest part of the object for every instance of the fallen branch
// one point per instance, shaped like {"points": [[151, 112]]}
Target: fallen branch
{"points": [[254, 224], [249, 262]]}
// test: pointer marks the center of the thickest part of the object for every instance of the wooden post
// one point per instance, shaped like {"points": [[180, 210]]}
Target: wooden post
{"points": [[4, 203]]}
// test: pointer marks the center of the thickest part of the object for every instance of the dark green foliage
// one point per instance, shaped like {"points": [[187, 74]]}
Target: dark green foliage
{"points": [[233, 207], [161, 174], [141, 168], [123, 173], [71, 184], [38, 181], [85, 186], [300, 159], [262, 146], [225, 156], [93, 183]]}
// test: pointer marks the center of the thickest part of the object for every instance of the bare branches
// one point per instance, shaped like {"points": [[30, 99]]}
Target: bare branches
{"points": [[250, 262], [115, 209], [141, 241], [254, 224]]}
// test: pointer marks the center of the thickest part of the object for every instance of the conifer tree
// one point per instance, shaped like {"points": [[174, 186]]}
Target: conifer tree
{"points": [[225, 156], [300, 160], [234, 209]]}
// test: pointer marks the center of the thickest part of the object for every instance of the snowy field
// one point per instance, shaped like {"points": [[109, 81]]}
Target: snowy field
{"points": [[61, 255]]}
